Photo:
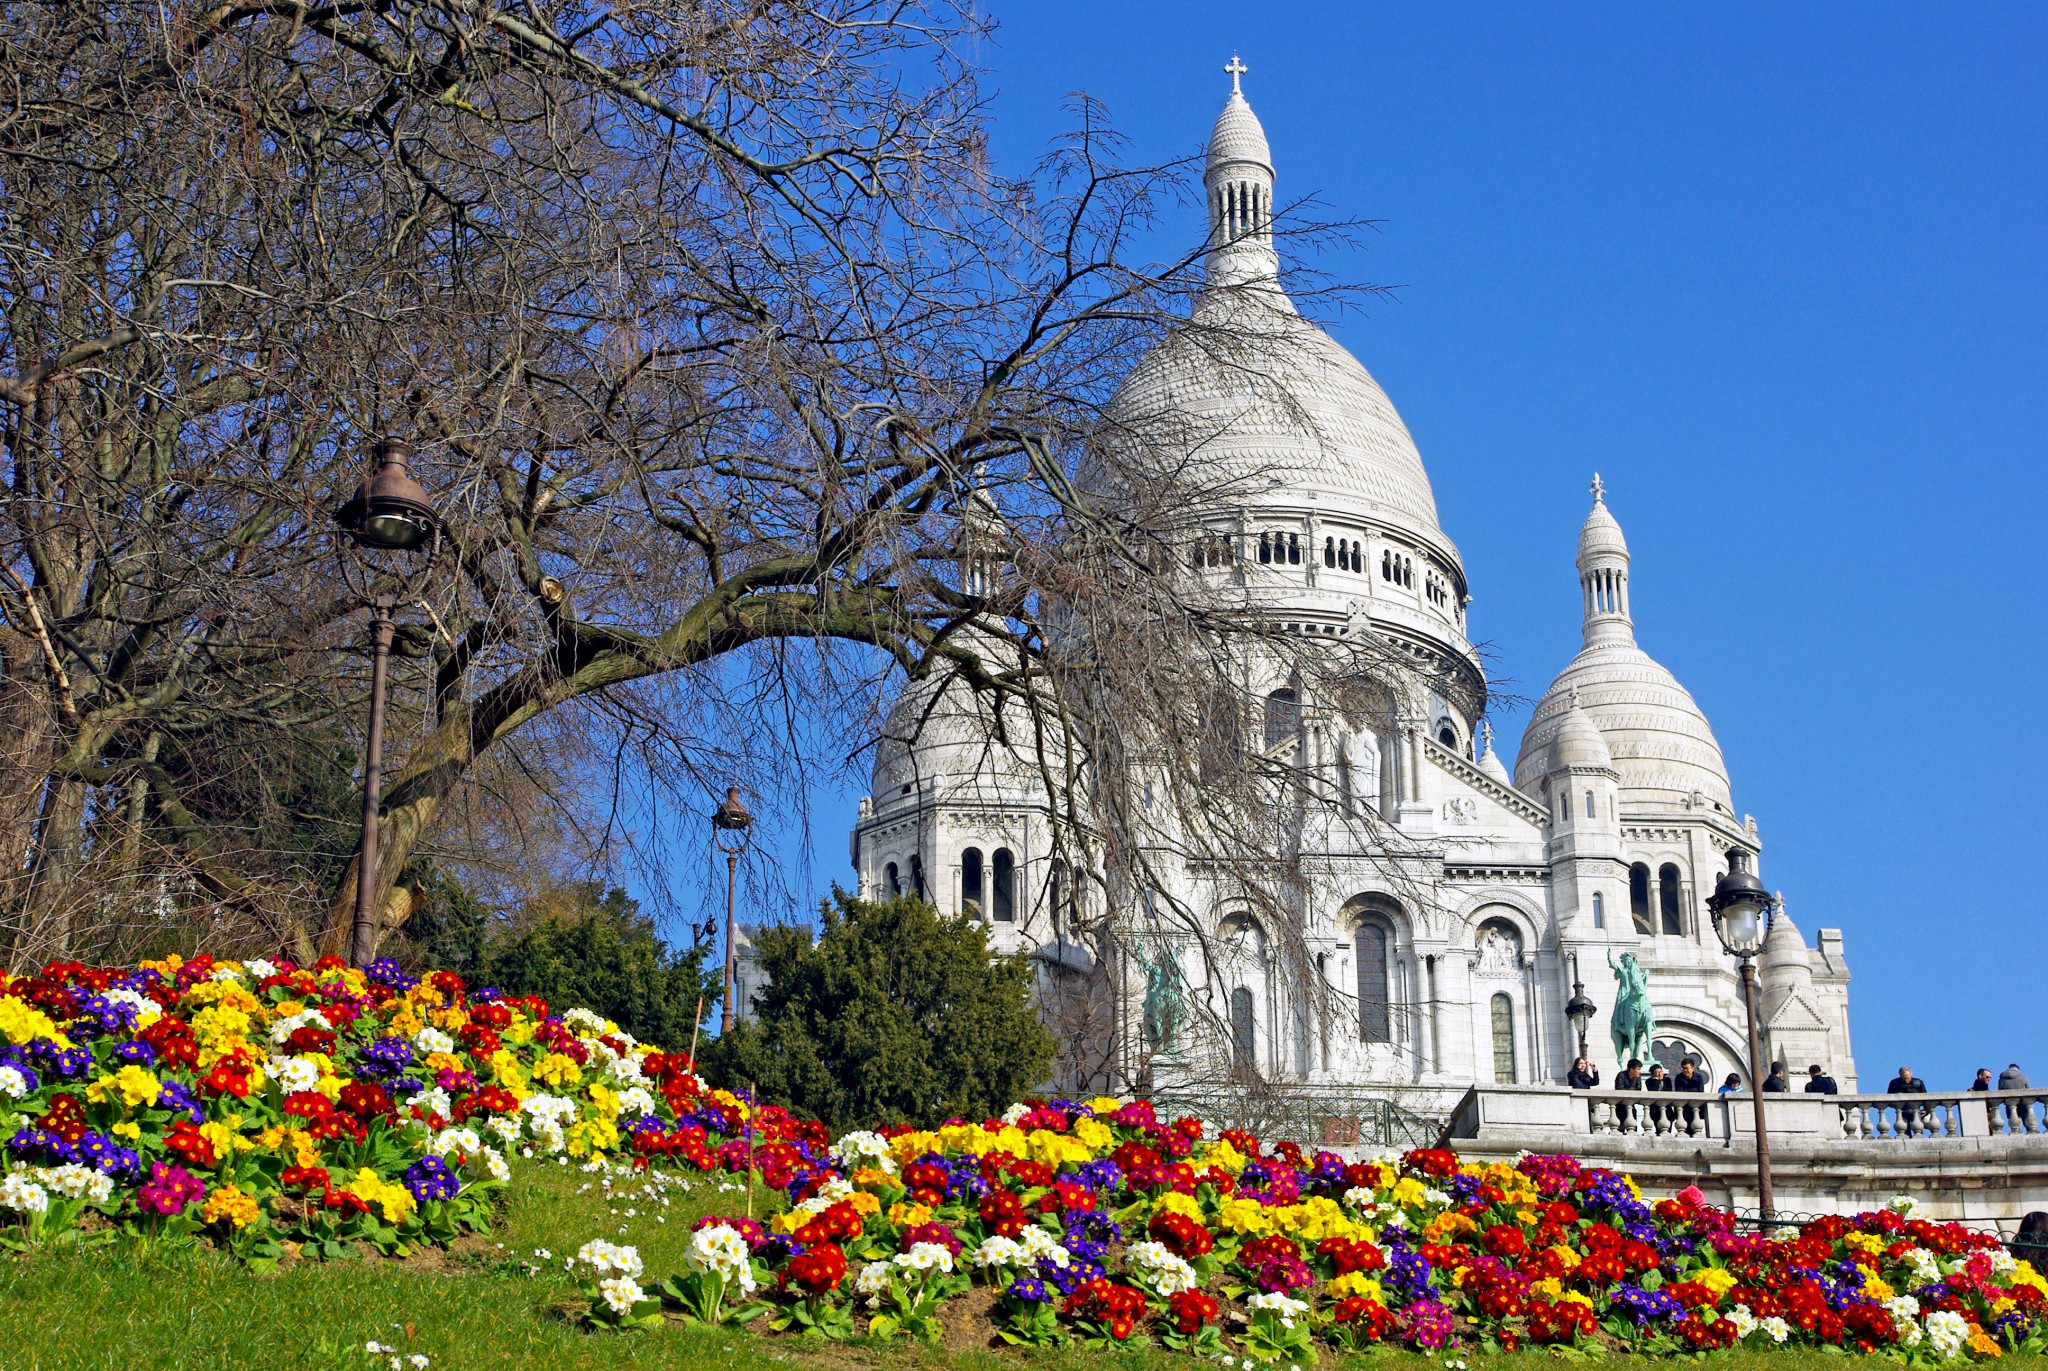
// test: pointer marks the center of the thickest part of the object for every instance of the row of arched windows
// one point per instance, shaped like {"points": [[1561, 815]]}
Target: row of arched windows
{"points": [[1280, 547], [1239, 207], [893, 874], [1344, 556], [1397, 568], [1668, 915], [997, 883]]}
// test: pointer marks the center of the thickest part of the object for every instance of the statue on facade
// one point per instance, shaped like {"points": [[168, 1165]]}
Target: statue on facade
{"points": [[1163, 1009], [1634, 1023]]}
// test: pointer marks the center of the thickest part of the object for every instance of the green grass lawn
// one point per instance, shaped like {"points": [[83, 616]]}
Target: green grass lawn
{"points": [[124, 1310]]}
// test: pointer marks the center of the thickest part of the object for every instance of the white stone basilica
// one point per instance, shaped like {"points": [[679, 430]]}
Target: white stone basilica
{"points": [[1452, 943]]}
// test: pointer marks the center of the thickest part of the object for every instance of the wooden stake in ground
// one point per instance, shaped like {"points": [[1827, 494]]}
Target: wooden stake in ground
{"points": [[694, 1025]]}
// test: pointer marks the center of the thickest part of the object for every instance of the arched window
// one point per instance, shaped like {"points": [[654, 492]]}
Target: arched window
{"points": [[970, 881], [895, 880], [1669, 900], [1329, 552], [1003, 901], [1283, 718], [1244, 1029], [1589, 804], [1265, 548], [1639, 898], [917, 875], [1374, 1020], [1386, 566], [1599, 910], [1448, 736], [1294, 549], [1503, 1011], [1347, 798]]}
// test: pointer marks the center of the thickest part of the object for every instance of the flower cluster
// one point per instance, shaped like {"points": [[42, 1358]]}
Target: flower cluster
{"points": [[1098, 1221], [273, 1106]]}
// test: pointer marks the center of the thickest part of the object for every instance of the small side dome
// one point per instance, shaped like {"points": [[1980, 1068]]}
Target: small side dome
{"points": [[1785, 967], [1490, 763], [1578, 743]]}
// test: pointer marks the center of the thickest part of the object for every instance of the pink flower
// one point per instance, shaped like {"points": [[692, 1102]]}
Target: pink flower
{"points": [[170, 1189]]}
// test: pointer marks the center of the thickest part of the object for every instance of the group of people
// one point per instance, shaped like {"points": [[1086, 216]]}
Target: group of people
{"points": [[1690, 1080]]}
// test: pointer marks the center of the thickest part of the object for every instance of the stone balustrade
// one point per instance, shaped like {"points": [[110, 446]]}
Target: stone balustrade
{"points": [[1973, 1154]]}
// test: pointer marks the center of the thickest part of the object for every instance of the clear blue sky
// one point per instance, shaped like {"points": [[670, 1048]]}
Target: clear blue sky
{"points": [[1777, 273]]}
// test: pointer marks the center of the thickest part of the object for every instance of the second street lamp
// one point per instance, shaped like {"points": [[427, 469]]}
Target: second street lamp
{"points": [[730, 818], [1742, 917], [1578, 1008], [392, 538]]}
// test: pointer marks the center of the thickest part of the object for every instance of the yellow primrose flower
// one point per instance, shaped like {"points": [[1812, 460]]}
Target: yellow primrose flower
{"points": [[1222, 1154], [873, 1178], [592, 1135], [1576, 1297], [1173, 1202], [1569, 1260], [1982, 1345], [1447, 1225], [1093, 1135], [788, 1221], [1055, 1149], [438, 1062], [1011, 1141], [1105, 1104], [863, 1203], [1549, 1288], [909, 1215], [956, 1138], [20, 1022], [1407, 1193], [1243, 1216], [557, 1070], [232, 1203], [127, 1128], [1353, 1283], [605, 1099], [132, 1085], [910, 1146]]}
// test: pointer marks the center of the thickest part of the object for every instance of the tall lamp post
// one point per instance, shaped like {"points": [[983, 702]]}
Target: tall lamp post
{"points": [[730, 818], [1578, 1008], [1742, 916], [392, 537]]}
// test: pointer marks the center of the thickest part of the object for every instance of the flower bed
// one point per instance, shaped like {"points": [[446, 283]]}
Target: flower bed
{"points": [[275, 1109]]}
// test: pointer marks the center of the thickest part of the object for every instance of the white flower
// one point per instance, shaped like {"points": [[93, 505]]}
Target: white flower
{"points": [[19, 1193], [225, 973], [1775, 1328], [146, 1010], [1283, 1305], [1744, 1321], [924, 1256], [1040, 1245], [430, 1040], [1168, 1274], [1905, 1206], [506, 1126], [259, 968], [463, 1140], [635, 1100], [1926, 1270], [1902, 1308], [999, 1251], [373, 1347], [294, 1074], [604, 1258], [719, 1247], [417, 1361], [305, 1018], [585, 1020], [75, 1182], [2003, 1263], [861, 1146], [873, 1281], [1014, 1115], [495, 1164], [1947, 1332], [1361, 1198], [621, 1293], [13, 1084]]}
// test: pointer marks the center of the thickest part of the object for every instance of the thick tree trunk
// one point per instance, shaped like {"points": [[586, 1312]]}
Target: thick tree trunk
{"points": [[52, 878]]}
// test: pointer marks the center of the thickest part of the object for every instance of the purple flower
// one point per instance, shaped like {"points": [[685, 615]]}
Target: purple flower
{"points": [[169, 1190], [1028, 1290], [1644, 1305], [430, 1179], [172, 1095], [386, 1057], [137, 1053], [384, 971]]}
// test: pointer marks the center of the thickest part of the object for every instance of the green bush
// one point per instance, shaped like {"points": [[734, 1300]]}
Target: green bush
{"points": [[893, 1015]]}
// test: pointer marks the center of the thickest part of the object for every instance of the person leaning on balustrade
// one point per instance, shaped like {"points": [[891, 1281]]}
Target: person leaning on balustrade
{"points": [[1583, 1075]]}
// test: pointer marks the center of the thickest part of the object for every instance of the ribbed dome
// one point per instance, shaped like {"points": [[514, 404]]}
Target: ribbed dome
{"points": [[1601, 534], [1659, 739], [940, 732], [1577, 742], [1238, 136], [1258, 397]]}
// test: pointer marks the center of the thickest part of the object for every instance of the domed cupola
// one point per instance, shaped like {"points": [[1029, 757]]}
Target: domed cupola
{"points": [[1238, 177], [1662, 748]]}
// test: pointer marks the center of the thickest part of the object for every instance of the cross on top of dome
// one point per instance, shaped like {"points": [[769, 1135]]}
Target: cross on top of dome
{"points": [[1235, 70], [1599, 488]]}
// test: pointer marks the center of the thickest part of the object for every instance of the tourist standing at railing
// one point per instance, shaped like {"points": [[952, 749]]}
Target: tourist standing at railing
{"points": [[1983, 1082], [1690, 1080], [2012, 1078], [1630, 1079], [1906, 1083], [1819, 1082], [1777, 1083], [1583, 1075], [1660, 1115], [1733, 1085]]}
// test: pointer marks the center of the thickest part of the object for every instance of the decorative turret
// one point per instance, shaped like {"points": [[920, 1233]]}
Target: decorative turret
{"points": [[1239, 180], [1488, 762], [1603, 574]]}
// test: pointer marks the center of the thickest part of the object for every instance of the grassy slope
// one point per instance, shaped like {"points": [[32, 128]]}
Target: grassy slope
{"points": [[128, 1311]]}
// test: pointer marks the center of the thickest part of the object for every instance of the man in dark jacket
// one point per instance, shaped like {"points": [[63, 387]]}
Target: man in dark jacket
{"points": [[1983, 1081], [1661, 1116], [1818, 1082], [1776, 1083], [1906, 1083], [1583, 1075], [1690, 1080], [1631, 1078], [2012, 1078]]}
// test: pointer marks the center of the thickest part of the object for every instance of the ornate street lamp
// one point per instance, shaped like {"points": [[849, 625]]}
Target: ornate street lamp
{"points": [[1742, 917], [391, 537], [730, 818], [1578, 1008]]}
